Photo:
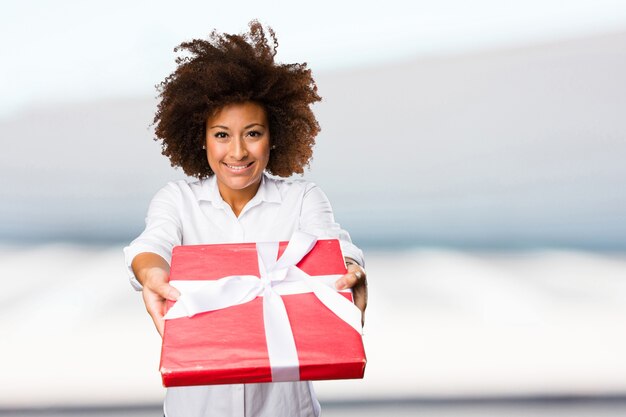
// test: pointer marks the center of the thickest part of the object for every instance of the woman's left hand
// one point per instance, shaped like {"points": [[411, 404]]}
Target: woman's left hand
{"points": [[356, 278]]}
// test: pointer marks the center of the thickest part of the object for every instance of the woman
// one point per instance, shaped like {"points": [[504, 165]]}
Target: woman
{"points": [[228, 115]]}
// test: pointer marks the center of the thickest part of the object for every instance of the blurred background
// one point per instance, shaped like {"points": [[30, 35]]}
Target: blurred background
{"points": [[474, 149]]}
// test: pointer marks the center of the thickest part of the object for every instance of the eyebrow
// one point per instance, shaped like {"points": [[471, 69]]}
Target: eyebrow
{"points": [[245, 127]]}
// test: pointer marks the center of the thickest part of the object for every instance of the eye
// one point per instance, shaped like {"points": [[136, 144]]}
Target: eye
{"points": [[220, 135], [255, 133]]}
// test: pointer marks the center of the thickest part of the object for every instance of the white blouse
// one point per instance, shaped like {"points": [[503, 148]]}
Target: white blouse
{"points": [[183, 213]]}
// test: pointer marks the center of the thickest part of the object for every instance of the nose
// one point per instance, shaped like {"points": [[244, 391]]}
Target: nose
{"points": [[238, 149]]}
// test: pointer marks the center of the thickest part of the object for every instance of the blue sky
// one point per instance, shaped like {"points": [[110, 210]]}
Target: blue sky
{"points": [[71, 50]]}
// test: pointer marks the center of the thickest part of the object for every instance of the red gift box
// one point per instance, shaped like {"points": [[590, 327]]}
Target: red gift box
{"points": [[229, 345]]}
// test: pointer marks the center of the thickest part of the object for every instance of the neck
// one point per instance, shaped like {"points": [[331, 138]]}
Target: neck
{"points": [[237, 199]]}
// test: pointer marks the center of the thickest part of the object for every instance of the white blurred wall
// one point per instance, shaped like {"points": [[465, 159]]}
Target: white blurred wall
{"points": [[517, 146]]}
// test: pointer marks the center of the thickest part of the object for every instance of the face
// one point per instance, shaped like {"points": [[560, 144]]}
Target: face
{"points": [[238, 148]]}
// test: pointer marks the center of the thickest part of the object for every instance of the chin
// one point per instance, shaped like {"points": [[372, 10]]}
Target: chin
{"points": [[241, 183]]}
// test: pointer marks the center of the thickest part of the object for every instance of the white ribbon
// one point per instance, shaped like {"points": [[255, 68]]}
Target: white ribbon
{"points": [[277, 277]]}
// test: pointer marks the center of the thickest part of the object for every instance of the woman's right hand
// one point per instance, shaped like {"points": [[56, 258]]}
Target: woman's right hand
{"points": [[152, 271]]}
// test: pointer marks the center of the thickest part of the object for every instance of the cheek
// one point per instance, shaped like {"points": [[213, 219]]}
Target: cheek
{"points": [[259, 150], [265, 149], [214, 150], [212, 156], [265, 154]]}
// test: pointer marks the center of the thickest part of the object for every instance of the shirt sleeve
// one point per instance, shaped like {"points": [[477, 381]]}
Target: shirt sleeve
{"points": [[317, 218], [163, 229]]}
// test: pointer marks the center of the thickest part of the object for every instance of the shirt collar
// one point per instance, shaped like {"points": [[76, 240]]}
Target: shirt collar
{"points": [[267, 192]]}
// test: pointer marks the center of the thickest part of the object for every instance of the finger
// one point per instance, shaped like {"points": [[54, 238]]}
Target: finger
{"points": [[352, 279], [155, 308], [345, 282], [160, 325]]}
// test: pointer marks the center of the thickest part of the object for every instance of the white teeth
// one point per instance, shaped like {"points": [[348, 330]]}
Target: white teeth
{"points": [[237, 168]]}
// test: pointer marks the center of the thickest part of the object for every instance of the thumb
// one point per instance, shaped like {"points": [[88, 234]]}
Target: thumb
{"points": [[168, 292]]}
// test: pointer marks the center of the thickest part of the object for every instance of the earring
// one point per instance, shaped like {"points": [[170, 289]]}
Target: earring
{"points": [[273, 147], [203, 146]]}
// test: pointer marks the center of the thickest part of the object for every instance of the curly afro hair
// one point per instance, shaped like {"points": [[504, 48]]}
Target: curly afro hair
{"points": [[228, 69]]}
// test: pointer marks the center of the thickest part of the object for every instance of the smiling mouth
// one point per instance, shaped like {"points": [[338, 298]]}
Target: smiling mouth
{"points": [[239, 167]]}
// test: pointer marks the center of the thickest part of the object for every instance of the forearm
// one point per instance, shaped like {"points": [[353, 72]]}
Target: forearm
{"points": [[145, 263]]}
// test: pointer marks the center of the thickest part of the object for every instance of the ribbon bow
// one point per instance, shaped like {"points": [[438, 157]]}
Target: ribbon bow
{"points": [[277, 277]]}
